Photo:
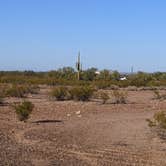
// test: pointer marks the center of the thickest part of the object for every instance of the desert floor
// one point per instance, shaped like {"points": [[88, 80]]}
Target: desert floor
{"points": [[82, 133]]}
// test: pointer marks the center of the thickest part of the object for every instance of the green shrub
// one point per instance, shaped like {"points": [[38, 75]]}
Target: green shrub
{"points": [[81, 93], [60, 93], [21, 90], [31, 89], [120, 97], [15, 91], [101, 84], [23, 110]]}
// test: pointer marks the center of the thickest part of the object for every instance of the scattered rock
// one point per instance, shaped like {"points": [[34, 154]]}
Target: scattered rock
{"points": [[68, 115], [78, 112]]}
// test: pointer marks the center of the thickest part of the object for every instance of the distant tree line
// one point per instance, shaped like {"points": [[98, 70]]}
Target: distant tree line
{"points": [[68, 76]]}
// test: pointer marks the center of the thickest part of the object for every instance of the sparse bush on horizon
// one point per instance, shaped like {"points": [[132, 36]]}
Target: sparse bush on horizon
{"points": [[67, 76], [101, 84], [21, 90]]}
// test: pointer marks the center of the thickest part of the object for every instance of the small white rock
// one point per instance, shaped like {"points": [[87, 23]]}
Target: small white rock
{"points": [[68, 115], [78, 112]]}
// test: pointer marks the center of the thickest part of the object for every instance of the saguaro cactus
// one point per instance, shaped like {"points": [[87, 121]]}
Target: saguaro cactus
{"points": [[78, 66]]}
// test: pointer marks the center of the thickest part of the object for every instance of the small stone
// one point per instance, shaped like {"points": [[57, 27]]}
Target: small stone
{"points": [[78, 112], [68, 115]]}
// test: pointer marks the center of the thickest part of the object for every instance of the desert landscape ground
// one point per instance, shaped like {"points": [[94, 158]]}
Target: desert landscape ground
{"points": [[73, 133], [82, 83]]}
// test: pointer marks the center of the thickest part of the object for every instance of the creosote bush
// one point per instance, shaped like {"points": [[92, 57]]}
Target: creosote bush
{"points": [[60, 93], [81, 93], [21, 90], [15, 91], [101, 84], [120, 97], [23, 110]]}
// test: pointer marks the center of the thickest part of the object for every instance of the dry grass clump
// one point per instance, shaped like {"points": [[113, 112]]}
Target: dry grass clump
{"points": [[158, 95], [104, 96], [159, 120], [3, 88], [158, 124], [132, 88], [119, 96]]}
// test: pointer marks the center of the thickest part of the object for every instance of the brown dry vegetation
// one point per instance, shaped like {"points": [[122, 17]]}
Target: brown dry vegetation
{"points": [[73, 133]]}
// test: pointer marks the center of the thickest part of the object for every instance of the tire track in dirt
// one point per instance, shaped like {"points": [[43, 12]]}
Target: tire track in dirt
{"points": [[120, 157]]}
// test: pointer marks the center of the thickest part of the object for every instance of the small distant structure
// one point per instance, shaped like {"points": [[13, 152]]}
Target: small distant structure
{"points": [[132, 70], [123, 78], [97, 72]]}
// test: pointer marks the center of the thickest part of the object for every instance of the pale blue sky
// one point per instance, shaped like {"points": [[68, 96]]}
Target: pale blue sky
{"points": [[113, 34]]}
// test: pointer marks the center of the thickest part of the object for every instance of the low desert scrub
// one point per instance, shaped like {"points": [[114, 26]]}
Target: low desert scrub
{"points": [[101, 84], [21, 90], [1, 96], [159, 120], [60, 93], [15, 91], [132, 88], [104, 96], [158, 124], [81, 93], [158, 95], [114, 87], [23, 110], [1, 100], [120, 97]]}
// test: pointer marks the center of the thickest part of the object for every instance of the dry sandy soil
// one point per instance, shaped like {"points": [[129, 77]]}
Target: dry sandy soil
{"points": [[82, 133]]}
